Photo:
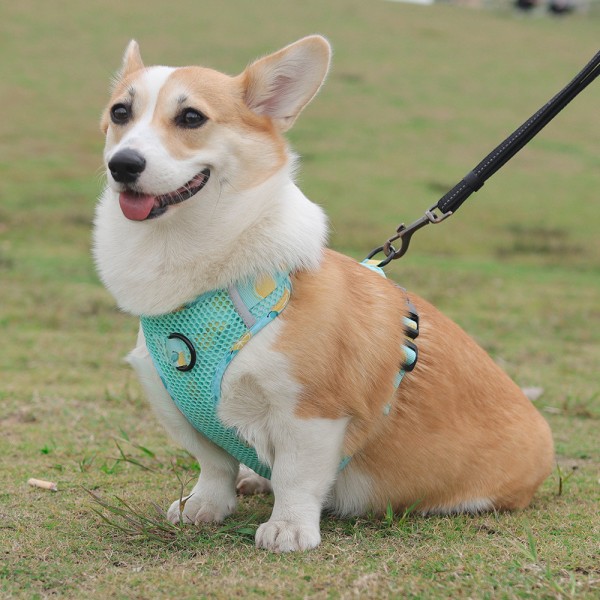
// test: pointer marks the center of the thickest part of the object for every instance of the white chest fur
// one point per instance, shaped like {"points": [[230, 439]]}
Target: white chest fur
{"points": [[153, 267]]}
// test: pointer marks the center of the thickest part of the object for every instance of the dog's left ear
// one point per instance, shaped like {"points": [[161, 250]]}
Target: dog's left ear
{"points": [[280, 85]]}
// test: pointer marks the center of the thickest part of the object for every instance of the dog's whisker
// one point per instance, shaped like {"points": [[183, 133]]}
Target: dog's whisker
{"points": [[212, 214], [100, 173]]}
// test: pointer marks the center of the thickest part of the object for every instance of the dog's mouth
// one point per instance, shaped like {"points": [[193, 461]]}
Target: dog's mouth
{"points": [[137, 206]]}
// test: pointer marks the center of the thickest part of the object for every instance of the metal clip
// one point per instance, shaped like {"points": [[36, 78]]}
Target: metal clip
{"points": [[433, 218], [405, 233]]}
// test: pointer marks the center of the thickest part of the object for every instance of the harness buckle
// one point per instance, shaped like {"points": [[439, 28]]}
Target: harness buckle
{"points": [[407, 366]]}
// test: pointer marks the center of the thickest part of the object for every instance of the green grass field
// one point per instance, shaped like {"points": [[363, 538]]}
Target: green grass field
{"points": [[417, 96]]}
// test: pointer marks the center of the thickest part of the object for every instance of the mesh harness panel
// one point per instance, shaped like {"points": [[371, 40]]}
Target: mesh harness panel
{"points": [[192, 347]]}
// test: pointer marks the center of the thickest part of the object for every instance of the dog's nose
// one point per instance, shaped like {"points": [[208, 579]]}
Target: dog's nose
{"points": [[126, 165]]}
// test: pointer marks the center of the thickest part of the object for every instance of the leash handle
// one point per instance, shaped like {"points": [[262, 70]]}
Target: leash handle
{"points": [[451, 201], [474, 180]]}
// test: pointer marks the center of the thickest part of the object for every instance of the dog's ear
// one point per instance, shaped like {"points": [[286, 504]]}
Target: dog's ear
{"points": [[132, 60], [282, 84]]}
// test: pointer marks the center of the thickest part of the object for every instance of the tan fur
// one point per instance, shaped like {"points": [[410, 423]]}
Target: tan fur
{"points": [[459, 428], [221, 99]]}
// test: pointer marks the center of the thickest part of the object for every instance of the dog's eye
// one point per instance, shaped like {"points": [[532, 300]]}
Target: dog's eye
{"points": [[120, 113], [191, 118]]}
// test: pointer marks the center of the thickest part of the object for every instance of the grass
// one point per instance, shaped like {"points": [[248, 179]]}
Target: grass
{"points": [[416, 98]]}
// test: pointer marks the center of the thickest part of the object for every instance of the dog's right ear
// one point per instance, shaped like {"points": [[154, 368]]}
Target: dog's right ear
{"points": [[132, 60]]}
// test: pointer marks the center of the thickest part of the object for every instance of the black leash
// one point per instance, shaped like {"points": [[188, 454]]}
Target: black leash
{"points": [[450, 202]]}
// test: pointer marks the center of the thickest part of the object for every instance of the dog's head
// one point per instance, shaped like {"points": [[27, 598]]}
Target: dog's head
{"points": [[172, 134]]}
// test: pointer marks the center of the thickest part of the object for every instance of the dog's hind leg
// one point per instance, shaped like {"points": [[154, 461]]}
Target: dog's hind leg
{"points": [[248, 482], [213, 497]]}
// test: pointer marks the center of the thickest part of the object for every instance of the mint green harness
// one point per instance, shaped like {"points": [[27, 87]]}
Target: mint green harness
{"points": [[192, 347]]}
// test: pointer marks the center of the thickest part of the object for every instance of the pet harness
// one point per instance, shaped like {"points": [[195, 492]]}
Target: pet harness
{"points": [[192, 347]]}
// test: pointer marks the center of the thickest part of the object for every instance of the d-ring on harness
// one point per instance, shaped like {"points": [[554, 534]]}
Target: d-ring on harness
{"points": [[472, 181]]}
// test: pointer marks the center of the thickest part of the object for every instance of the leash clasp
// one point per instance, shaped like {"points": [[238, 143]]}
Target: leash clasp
{"points": [[405, 233], [433, 218]]}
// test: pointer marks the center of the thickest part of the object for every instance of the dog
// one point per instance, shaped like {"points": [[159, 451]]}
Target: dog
{"points": [[334, 397]]}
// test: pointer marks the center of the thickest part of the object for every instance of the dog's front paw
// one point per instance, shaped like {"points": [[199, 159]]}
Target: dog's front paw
{"points": [[286, 536], [195, 510]]}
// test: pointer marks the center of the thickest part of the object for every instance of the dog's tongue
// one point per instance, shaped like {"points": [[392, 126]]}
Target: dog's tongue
{"points": [[136, 207]]}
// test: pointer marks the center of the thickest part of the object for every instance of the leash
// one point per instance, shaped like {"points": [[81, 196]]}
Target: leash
{"points": [[450, 202]]}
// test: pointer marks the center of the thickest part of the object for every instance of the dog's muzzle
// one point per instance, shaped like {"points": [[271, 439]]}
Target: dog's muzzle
{"points": [[126, 166]]}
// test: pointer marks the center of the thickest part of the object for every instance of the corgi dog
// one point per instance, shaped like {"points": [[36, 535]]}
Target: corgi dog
{"points": [[200, 205]]}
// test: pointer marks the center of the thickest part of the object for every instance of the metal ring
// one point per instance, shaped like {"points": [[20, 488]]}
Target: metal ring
{"points": [[190, 347]]}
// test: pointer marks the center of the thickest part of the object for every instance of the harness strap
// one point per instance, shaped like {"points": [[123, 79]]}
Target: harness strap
{"points": [[411, 352]]}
